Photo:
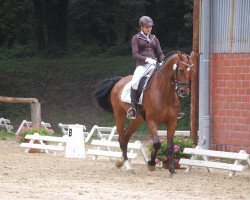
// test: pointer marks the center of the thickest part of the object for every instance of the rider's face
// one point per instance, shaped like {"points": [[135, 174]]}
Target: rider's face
{"points": [[146, 29]]}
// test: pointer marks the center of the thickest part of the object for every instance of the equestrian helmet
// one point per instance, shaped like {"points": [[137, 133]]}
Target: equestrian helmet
{"points": [[146, 21]]}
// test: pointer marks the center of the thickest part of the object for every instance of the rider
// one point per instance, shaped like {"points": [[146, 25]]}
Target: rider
{"points": [[146, 51]]}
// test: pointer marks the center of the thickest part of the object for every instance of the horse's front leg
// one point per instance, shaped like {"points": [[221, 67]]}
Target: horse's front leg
{"points": [[171, 157], [170, 139], [156, 144]]}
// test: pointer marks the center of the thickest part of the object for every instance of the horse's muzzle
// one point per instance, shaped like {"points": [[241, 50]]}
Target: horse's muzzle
{"points": [[183, 89], [183, 92]]}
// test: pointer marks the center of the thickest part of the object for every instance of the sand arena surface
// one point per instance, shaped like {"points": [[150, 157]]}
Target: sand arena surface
{"points": [[44, 176]]}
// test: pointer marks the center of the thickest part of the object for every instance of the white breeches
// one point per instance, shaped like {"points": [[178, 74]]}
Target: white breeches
{"points": [[139, 72]]}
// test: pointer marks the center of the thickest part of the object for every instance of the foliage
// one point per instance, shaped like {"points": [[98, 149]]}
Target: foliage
{"points": [[184, 122], [52, 25], [16, 22], [40, 131], [4, 135], [180, 143], [18, 51]]}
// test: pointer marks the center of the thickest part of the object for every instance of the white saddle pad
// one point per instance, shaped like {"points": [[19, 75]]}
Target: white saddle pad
{"points": [[125, 97]]}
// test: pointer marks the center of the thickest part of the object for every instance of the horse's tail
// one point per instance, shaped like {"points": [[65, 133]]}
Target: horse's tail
{"points": [[102, 93]]}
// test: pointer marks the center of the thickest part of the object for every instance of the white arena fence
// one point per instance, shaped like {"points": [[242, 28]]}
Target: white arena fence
{"points": [[116, 153], [107, 139], [72, 144], [199, 153], [107, 145], [58, 143], [163, 133], [5, 123]]}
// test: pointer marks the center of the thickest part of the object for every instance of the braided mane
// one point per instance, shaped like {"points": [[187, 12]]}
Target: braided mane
{"points": [[166, 56]]}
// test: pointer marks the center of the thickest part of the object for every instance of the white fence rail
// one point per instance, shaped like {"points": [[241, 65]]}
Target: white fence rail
{"points": [[198, 153], [58, 143], [111, 153], [162, 133]]}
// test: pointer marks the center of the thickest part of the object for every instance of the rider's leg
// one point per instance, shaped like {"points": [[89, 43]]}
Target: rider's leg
{"points": [[140, 71], [134, 99]]}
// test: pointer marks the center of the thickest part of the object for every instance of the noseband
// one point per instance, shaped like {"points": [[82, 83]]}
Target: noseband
{"points": [[178, 84]]}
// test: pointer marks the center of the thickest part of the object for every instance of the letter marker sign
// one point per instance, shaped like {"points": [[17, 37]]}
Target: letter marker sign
{"points": [[75, 147]]}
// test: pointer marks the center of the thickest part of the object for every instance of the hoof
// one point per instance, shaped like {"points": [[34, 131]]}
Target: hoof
{"points": [[119, 163], [172, 174], [151, 168]]}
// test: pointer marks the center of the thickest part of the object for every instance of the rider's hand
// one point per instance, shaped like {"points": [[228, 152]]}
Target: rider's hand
{"points": [[150, 61]]}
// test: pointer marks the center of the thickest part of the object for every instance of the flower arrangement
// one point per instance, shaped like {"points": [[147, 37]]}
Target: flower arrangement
{"points": [[180, 143], [30, 131]]}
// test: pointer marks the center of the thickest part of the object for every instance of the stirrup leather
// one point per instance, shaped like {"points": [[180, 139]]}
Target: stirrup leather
{"points": [[131, 114]]}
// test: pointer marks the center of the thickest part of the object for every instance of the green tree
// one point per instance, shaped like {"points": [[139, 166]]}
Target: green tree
{"points": [[16, 22], [51, 25]]}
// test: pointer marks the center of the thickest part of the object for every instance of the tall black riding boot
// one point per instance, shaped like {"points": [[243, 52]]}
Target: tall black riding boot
{"points": [[131, 114]]}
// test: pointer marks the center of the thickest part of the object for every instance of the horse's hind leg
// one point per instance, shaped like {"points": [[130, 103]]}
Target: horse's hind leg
{"points": [[120, 128], [124, 139], [133, 126]]}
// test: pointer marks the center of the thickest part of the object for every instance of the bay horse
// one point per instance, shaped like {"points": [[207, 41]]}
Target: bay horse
{"points": [[160, 103]]}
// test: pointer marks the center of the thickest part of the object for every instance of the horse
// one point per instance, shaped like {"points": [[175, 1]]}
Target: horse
{"points": [[160, 103]]}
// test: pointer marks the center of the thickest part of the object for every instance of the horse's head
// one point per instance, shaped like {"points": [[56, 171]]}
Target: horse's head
{"points": [[182, 68]]}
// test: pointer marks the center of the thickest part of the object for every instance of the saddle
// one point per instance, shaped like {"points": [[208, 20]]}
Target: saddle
{"points": [[144, 84]]}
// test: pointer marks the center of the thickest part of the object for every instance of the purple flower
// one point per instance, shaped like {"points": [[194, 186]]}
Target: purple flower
{"points": [[150, 142], [176, 148], [22, 129], [165, 158], [157, 161]]}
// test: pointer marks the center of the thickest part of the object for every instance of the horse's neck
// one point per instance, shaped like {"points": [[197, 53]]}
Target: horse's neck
{"points": [[164, 87], [167, 68], [165, 76]]}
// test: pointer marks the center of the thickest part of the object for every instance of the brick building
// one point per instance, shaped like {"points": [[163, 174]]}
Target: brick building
{"points": [[224, 114]]}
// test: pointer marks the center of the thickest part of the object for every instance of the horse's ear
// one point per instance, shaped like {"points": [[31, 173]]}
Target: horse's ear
{"points": [[194, 57], [181, 56]]}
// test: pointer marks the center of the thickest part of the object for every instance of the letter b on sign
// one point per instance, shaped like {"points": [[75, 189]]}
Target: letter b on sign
{"points": [[70, 132]]}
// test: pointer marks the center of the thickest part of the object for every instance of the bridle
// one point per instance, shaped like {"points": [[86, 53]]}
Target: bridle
{"points": [[178, 85]]}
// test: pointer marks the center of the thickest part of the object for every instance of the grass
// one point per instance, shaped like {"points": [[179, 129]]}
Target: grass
{"points": [[99, 66], [4, 135]]}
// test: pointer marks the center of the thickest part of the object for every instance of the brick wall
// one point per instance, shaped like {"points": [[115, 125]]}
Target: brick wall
{"points": [[230, 102]]}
